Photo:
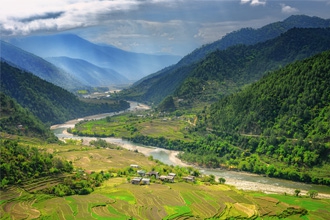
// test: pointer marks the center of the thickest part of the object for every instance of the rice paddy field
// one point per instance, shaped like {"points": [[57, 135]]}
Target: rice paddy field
{"points": [[116, 198]]}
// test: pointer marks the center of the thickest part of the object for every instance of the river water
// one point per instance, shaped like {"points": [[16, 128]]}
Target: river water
{"points": [[241, 180]]}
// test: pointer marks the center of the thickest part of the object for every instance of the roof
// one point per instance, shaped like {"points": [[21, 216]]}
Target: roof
{"points": [[137, 179], [152, 173]]}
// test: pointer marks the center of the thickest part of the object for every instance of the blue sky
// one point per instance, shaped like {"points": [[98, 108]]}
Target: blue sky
{"points": [[149, 26]]}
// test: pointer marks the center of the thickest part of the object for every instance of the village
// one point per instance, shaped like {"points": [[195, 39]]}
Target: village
{"points": [[144, 177]]}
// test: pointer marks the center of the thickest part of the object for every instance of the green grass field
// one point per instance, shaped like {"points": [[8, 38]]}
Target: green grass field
{"points": [[126, 125]]}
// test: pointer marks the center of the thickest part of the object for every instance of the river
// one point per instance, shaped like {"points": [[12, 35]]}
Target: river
{"points": [[241, 180]]}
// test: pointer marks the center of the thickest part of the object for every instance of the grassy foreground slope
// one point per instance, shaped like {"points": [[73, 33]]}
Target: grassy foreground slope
{"points": [[118, 199]]}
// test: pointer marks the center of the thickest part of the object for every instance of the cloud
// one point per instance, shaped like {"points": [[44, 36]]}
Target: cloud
{"points": [[24, 17], [254, 2], [147, 25], [286, 9], [47, 15]]}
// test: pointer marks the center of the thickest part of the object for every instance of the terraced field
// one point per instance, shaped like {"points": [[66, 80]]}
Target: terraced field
{"points": [[116, 198]]}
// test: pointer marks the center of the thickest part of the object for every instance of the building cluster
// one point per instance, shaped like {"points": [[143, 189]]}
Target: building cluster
{"points": [[144, 177]]}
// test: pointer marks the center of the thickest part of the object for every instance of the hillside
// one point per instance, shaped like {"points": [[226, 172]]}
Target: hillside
{"points": [[278, 126], [250, 36], [292, 102], [38, 66], [19, 163], [16, 120], [133, 66], [144, 89], [50, 103], [224, 72], [88, 73]]}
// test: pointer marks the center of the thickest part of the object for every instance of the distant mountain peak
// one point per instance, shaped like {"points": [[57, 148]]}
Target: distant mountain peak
{"points": [[132, 65]]}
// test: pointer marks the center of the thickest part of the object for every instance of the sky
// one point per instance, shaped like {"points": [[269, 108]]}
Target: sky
{"points": [[149, 26]]}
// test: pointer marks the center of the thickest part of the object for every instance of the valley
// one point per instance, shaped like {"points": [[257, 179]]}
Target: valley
{"points": [[237, 129], [241, 180]]}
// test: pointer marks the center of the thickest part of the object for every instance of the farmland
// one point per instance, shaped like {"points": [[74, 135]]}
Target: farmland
{"points": [[127, 125], [117, 198]]}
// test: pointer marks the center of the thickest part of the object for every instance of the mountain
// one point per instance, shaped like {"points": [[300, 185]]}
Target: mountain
{"points": [[131, 65], [143, 89], [224, 72], [38, 66], [293, 102], [250, 36], [50, 103], [14, 119], [88, 73], [278, 126]]}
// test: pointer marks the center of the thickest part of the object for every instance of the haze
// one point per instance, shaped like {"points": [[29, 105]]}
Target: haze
{"points": [[148, 26]]}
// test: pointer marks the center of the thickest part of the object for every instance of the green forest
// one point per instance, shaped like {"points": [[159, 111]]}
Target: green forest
{"points": [[279, 125], [17, 120], [19, 163], [50, 103]]}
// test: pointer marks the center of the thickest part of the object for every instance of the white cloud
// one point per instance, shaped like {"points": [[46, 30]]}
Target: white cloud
{"points": [[254, 2], [147, 25], [23, 17], [286, 9]]}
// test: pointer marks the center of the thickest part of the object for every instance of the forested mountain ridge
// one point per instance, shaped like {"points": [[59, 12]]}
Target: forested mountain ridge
{"points": [[250, 36], [278, 126], [38, 66], [50, 103], [293, 102], [247, 36], [19, 121], [224, 72]]}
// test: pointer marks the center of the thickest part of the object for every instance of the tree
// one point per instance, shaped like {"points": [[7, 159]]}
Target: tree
{"points": [[297, 192], [222, 180], [312, 193]]}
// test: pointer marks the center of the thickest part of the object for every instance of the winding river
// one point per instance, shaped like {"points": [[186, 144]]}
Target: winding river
{"points": [[241, 180]]}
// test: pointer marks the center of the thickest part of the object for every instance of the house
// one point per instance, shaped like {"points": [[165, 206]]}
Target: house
{"points": [[172, 174], [141, 172], [170, 179], [145, 181], [136, 180], [189, 178], [162, 178], [140, 181], [167, 178], [153, 173]]}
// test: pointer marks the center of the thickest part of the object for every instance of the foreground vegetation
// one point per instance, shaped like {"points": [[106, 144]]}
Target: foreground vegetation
{"points": [[117, 198]]}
